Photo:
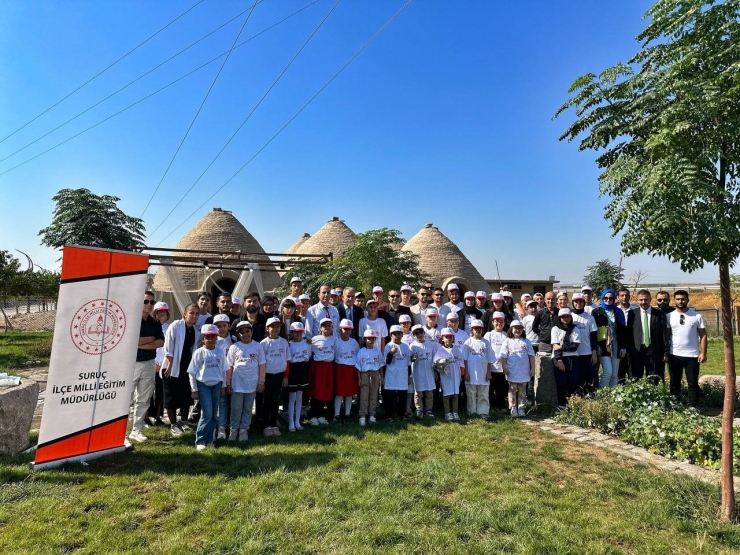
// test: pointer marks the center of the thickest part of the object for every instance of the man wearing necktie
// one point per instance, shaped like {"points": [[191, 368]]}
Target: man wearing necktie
{"points": [[650, 345], [348, 310], [320, 310]]}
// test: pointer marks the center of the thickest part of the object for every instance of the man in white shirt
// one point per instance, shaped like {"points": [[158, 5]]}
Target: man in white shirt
{"points": [[588, 296], [296, 288], [406, 295], [688, 346], [320, 310], [453, 294]]}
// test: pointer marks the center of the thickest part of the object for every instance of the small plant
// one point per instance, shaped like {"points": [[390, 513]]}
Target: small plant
{"points": [[40, 350]]}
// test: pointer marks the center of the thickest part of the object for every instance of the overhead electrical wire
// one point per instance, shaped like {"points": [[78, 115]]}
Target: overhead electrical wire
{"points": [[364, 46], [254, 109], [139, 78], [209, 62], [101, 72], [205, 98]]}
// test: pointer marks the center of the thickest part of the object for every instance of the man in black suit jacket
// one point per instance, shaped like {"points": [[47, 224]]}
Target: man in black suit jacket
{"points": [[348, 310], [649, 349]]}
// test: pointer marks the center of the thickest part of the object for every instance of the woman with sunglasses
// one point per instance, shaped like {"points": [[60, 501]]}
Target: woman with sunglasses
{"points": [[611, 337]]}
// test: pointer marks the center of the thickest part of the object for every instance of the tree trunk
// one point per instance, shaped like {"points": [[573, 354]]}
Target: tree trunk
{"points": [[727, 487]]}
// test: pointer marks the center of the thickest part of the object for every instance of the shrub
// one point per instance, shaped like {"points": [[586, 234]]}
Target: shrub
{"points": [[40, 350], [648, 416]]}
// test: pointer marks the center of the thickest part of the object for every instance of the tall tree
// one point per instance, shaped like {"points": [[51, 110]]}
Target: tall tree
{"points": [[603, 275], [668, 123], [373, 258], [84, 218]]}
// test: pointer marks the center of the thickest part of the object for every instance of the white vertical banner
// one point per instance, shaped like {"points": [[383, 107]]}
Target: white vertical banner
{"points": [[96, 336]]}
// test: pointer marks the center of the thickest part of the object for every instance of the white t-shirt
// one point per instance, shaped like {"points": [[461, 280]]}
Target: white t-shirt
{"points": [[450, 381], [369, 360], [207, 366], [557, 336], [421, 368], [496, 339], [685, 337], [345, 352], [381, 329], [397, 372], [517, 353], [527, 323], [585, 324], [478, 354], [461, 336], [277, 354], [322, 348], [432, 334], [300, 351], [245, 360]]}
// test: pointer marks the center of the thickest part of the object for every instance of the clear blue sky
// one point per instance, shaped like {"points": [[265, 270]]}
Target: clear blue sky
{"points": [[445, 118]]}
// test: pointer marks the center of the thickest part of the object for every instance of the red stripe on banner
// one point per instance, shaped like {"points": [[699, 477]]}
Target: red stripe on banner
{"points": [[82, 262], [111, 434]]}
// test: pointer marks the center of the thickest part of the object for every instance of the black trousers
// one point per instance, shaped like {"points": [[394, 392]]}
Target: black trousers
{"points": [[676, 367], [394, 403], [271, 398], [588, 374], [624, 370], [498, 391], [644, 364]]}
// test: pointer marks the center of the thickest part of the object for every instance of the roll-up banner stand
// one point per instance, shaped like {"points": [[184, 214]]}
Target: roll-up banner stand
{"points": [[96, 335]]}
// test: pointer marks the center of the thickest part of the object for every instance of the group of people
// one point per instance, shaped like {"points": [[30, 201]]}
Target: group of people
{"points": [[319, 359]]}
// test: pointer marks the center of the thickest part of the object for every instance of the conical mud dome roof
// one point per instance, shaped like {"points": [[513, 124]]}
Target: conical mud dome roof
{"points": [[333, 237], [218, 230], [443, 261], [294, 247]]}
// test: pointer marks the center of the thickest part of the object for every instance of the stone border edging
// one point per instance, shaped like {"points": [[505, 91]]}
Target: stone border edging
{"points": [[619, 447]]}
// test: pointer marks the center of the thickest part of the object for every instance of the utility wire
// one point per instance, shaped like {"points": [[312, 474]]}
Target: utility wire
{"points": [[101, 72], [158, 90], [140, 77], [372, 39], [195, 117], [254, 109]]}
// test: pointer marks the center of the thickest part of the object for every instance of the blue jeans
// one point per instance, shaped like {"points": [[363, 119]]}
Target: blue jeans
{"points": [[223, 410], [209, 395]]}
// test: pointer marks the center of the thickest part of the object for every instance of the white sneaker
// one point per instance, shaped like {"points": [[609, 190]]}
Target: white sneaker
{"points": [[362, 420], [221, 433], [455, 416], [175, 431], [323, 421], [233, 434], [200, 447], [522, 411], [449, 417], [372, 420], [137, 436], [184, 427], [314, 421], [419, 414], [514, 412], [243, 435]]}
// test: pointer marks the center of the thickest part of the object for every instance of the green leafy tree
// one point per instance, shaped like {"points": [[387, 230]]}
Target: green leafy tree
{"points": [[603, 275], [667, 125], [372, 259], [84, 218], [9, 282]]}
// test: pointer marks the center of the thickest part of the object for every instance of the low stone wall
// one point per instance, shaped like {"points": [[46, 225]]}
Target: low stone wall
{"points": [[17, 405]]}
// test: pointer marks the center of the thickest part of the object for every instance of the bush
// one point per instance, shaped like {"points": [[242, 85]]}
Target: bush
{"points": [[648, 416], [40, 350]]}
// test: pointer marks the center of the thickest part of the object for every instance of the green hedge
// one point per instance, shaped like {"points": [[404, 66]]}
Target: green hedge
{"points": [[649, 417]]}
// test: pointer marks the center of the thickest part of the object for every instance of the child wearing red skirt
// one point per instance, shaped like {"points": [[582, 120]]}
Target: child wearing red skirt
{"points": [[321, 371], [345, 373]]}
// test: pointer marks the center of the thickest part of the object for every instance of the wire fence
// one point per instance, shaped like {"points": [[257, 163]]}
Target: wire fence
{"points": [[27, 314]]}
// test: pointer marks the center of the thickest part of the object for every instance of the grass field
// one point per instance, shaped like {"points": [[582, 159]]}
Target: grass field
{"points": [[715, 363], [19, 347], [430, 487]]}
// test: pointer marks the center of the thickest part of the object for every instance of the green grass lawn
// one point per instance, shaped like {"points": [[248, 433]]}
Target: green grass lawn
{"points": [[430, 487], [715, 363], [18, 347]]}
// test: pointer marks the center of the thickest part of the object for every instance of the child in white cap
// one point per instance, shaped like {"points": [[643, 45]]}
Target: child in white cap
{"points": [[431, 328], [407, 339], [161, 313], [499, 388], [422, 353], [246, 376], [346, 384], [450, 366], [207, 371], [321, 371], [222, 322], [517, 360], [369, 363], [300, 353], [396, 375], [479, 359], [277, 373]]}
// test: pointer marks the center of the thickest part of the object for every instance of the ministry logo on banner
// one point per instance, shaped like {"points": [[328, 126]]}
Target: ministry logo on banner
{"points": [[97, 326]]}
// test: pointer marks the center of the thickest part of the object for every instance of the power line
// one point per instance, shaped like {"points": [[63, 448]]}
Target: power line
{"points": [[101, 72], [370, 41], [195, 117], [140, 77], [254, 109], [158, 90]]}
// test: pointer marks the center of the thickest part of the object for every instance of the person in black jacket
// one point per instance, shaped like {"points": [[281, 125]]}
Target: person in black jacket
{"points": [[349, 311], [649, 347], [612, 337]]}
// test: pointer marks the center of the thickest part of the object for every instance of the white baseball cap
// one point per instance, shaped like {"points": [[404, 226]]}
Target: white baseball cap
{"points": [[586, 288], [208, 329], [525, 296], [405, 287], [161, 306], [507, 294], [469, 295], [377, 289], [416, 328], [447, 331], [325, 321], [476, 323], [297, 326], [396, 329], [346, 324], [431, 311], [295, 279], [577, 297], [452, 316], [498, 316], [236, 300], [221, 318], [271, 321], [304, 297], [515, 323], [370, 333], [497, 297], [452, 287], [481, 295], [404, 318], [564, 312], [244, 324]]}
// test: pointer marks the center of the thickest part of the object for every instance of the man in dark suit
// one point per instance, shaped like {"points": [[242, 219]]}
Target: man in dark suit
{"points": [[649, 349], [348, 310]]}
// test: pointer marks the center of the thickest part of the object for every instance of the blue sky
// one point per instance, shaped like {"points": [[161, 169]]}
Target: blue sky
{"points": [[445, 118]]}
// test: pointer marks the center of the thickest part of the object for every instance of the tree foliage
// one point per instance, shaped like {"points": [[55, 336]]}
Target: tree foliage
{"points": [[603, 275], [667, 125], [9, 269], [84, 218], [373, 258]]}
